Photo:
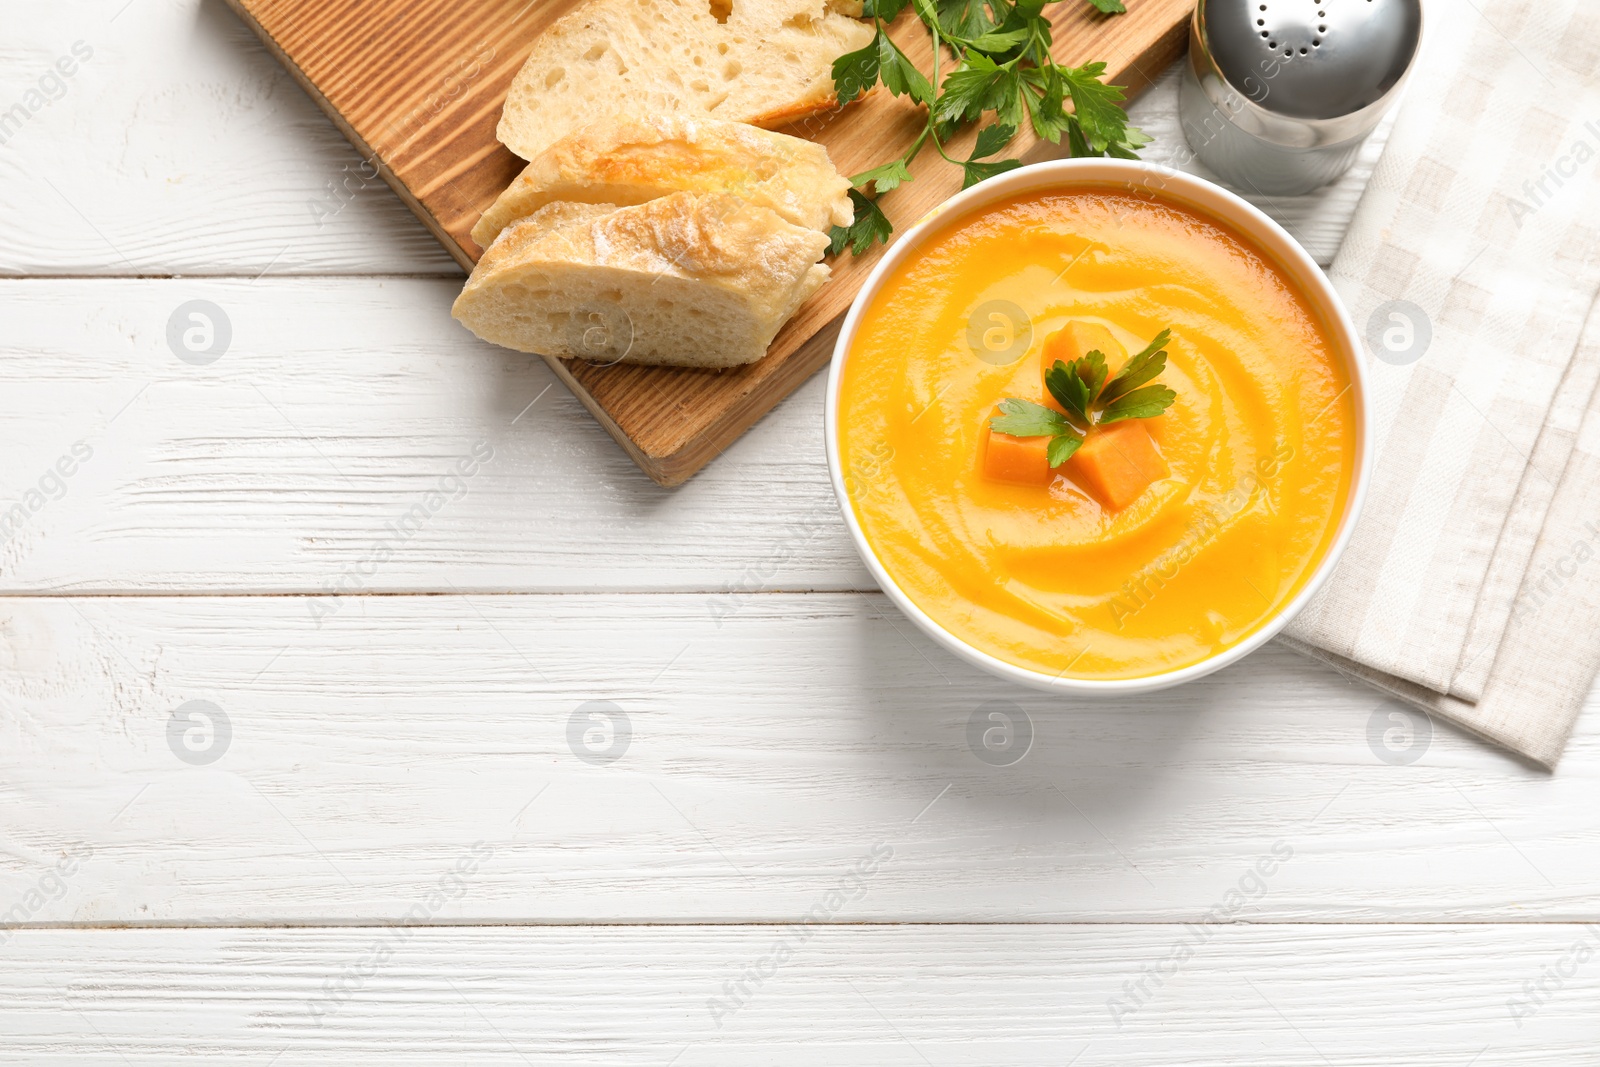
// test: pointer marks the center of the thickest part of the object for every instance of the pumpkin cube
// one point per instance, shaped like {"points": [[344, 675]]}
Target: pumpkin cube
{"points": [[1022, 460], [1117, 463], [1078, 339]]}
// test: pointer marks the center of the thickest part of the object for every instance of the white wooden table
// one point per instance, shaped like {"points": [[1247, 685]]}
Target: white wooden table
{"points": [[392, 842]]}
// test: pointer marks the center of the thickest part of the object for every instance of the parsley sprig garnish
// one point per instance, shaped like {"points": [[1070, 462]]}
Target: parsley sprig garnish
{"points": [[1003, 66], [1080, 387]]}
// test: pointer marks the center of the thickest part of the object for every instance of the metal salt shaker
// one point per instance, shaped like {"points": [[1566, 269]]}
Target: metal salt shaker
{"points": [[1278, 95]]}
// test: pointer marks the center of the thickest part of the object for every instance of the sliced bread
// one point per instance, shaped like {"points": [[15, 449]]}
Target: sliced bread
{"points": [[628, 159], [765, 62], [696, 280]]}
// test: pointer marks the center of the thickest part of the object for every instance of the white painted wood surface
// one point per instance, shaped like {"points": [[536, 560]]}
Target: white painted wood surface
{"points": [[181, 147], [409, 759], [773, 741], [339, 404], [1267, 996]]}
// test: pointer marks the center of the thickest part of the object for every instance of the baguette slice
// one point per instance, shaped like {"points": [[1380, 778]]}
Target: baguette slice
{"points": [[626, 159], [765, 62], [689, 280]]}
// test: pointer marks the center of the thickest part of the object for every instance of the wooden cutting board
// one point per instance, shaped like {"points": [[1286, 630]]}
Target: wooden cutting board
{"points": [[417, 85]]}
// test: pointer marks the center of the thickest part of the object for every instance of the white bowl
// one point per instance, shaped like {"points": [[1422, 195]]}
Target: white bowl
{"points": [[1209, 200]]}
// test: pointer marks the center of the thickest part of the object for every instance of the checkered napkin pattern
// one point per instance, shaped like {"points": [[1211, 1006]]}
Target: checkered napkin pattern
{"points": [[1471, 585]]}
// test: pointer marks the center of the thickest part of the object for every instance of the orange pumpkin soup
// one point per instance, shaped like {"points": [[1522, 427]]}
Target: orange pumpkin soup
{"points": [[1164, 539]]}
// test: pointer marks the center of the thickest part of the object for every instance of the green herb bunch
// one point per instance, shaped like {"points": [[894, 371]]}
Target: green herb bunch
{"points": [[1004, 66], [1080, 387]]}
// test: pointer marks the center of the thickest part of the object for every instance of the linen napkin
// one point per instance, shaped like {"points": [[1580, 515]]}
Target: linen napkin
{"points": [[1471, 585]]}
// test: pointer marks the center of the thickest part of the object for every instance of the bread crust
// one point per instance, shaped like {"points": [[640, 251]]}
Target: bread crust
{"points": [[769, 62], [737, 269], [629, 159]]}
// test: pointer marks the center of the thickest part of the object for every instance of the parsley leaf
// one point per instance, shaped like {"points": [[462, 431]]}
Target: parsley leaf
{"points": [[1004, 66], [1027, 10], [1061, 448], [856, 72], [1005, 98], [885, 176], [1048, 110], [1069, 390], [963, 20], [870, 225], [1108, 7], [1080, 387], [967, 90], [1076, 385], [1140, 404], [1096, 105], [973, 172], [1144, 366], [1024, 418], [999, 40], [1077, 144], [992, 138], [885, 9], [900, 76], [1133, 139]]}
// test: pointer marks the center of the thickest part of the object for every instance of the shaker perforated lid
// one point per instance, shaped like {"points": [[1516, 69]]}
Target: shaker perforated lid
{"points": [[1311, 59]]}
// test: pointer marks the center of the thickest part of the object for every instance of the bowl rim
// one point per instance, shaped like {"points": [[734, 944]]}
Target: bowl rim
{"points": [[1197, 194]]}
